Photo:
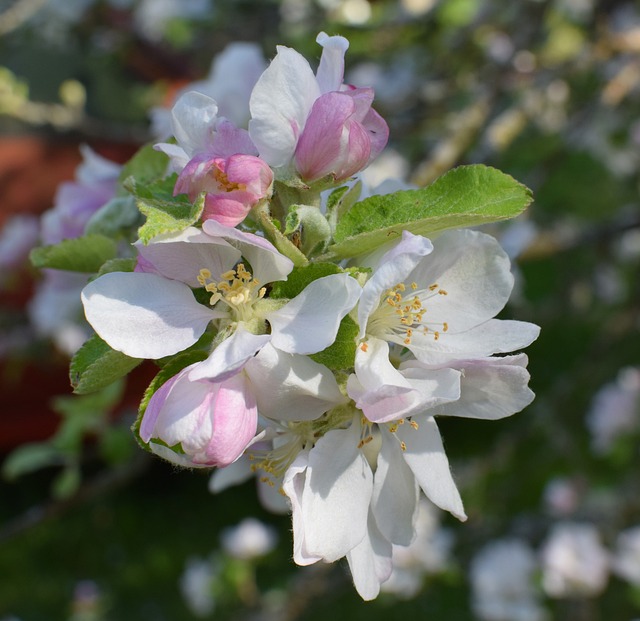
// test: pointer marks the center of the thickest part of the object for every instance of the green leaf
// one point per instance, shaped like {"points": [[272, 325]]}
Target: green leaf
{"points": [[465, 196], [95, 365], [310, 225], [115, 218], [67, 482], [30, 457], [145, 166], [82, 254], [165, 213]]}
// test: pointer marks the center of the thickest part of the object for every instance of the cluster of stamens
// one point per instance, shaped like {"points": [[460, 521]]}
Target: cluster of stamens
{"points": [[223, 181], [403, 314], [237, 288], [393, 427]]}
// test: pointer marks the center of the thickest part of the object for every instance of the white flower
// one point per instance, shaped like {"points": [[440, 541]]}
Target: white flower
{"points": [[248, 540], [615, 410], [574, 562], [152, 315], [626, 559], [196, 585], [439, 301], [502, 581]]}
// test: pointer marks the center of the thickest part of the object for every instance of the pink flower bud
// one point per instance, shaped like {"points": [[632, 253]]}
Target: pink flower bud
{"points": [[233, 185], [341, 135], [212, 422]]}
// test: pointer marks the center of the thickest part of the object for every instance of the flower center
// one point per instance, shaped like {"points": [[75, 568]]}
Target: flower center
{"points": [[223, 181], [401, 313], [238, 289]]}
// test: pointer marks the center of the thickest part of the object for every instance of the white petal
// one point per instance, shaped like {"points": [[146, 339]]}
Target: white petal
{"points": [[370, 562], [179, 158], [175, 458], [181, 256], [230, 356], [331, 69], [336, 495], [495, 336], [491, 388], [293, 486], [395, 494], [290, 386], [144, 315], [280, 103], [193, 119], [425, 456], [309, 323], [393, 269], [475, 273], [234, 474], [387, 394], [267, 264]]}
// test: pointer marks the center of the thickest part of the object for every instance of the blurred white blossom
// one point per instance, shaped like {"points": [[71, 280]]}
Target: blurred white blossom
{"points": [[626, 559], [615, 410], [502, 581], [196, 586], [574, 561], [248, 540]]}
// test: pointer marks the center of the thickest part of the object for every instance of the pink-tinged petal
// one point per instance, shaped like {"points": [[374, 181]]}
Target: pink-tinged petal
{"points": [[306, 389], [181, 256], [235, 420], [424, 454], [144, 315], [378, 132], [370, 562], [193, 119], [230, 140], [393, 268], [325, 141], [336, 495], [309, 323], [252, 173], [228, 209], [267, 264], [395, 494], [154, 407], [280, 103], [331, 69], [230, 356], [491, 388], [293, 486]]}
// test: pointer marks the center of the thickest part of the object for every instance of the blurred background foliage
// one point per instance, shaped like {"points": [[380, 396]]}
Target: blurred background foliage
{"points": [[545, 90]]}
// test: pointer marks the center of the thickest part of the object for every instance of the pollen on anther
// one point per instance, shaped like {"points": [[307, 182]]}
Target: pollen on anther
{"points": [[414, 424], [436, 336], [364, 347], [442, 292], [403, 446], [414, 285], [445, 326]]}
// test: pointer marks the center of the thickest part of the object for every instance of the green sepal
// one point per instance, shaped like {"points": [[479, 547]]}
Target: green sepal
{"points": [[463, 197], [95, 365], [82, 254], [165, 213]]}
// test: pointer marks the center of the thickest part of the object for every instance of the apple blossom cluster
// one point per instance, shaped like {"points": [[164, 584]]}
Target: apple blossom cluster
{"points": [[308, 330]]}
